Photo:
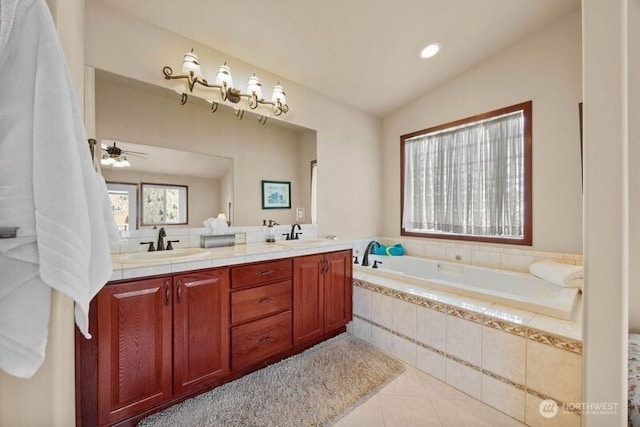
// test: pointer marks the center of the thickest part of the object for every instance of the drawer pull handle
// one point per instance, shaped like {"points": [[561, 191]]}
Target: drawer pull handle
{"points": [[179, 292], [263, 300], [264, 273], [264, 340]]}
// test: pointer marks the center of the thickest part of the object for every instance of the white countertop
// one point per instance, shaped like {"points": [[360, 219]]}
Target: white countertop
{"points": [[220, 257]]}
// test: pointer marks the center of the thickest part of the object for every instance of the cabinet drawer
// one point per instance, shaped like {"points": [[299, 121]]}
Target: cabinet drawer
{"points": [[262, 272], [257, 340], [249, 304]]}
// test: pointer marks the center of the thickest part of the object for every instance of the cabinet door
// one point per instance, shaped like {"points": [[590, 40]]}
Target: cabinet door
{"points": [[134, 348], [201, 328], [337, 290], [308, 315]]}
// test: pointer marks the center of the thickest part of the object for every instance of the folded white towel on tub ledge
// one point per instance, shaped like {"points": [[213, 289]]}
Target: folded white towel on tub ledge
{"points": [[571, 276]]}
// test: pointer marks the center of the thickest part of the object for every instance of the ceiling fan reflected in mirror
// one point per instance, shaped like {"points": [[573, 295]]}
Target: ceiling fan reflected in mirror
{"points": [[117, 157]]}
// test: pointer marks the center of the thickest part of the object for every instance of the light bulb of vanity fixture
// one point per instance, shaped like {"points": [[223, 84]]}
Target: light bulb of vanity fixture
{"points": [[278, 98], [254, 87], [224, 76], [191, 64]]}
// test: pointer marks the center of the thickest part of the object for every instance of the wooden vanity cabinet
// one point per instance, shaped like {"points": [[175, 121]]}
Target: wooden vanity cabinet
{"points": [[159, 338], [322, 295]]}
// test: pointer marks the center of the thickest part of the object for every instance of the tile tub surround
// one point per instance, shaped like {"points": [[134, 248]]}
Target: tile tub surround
{"points": [[496, 354], [479, 254]]}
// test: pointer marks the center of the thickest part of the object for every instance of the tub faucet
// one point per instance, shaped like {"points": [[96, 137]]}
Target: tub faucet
{"points": [[161, 235], [365, 256]]}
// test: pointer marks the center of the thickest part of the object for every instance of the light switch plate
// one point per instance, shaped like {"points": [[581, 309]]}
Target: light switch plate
{"points": [[299, 214]]}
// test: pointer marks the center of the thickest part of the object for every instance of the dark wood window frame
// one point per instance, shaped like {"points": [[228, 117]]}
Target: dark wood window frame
{"points": [[527, 239]]}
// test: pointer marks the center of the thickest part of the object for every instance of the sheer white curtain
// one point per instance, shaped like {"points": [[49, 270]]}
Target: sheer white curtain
{"points": [[467, 180]]}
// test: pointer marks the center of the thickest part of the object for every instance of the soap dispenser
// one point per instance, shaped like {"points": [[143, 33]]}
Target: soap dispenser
{"points": [[270, 236]]}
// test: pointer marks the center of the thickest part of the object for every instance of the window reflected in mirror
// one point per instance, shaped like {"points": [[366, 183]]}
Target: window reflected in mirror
{"points": [[163, 204], [124, 203]]}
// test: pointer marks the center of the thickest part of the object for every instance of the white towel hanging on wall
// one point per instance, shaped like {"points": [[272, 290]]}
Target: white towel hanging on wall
{"points": [[48, 188]]}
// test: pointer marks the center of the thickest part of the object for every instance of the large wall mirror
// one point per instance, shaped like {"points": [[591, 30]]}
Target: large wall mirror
{"points": [[190, 146]]}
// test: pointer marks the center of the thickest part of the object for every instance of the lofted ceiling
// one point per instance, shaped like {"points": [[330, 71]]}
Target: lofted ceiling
{"points": [[364, 53]]}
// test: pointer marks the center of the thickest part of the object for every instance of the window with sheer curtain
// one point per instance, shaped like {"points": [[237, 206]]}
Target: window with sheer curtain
{"points": [[470, 179]]}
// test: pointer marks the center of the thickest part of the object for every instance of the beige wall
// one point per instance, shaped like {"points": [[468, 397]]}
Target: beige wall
{"points": [[348, 140], [544, 68]]}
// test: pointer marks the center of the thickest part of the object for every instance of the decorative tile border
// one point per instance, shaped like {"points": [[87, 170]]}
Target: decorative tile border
{"points": [[539, 336], [463, 362], [437, 306], [555, 341], [501, 325], [432, 349], [464, 314], [503, 380], [386, 329]]}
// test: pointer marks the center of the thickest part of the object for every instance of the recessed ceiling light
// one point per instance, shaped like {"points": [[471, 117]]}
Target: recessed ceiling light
{"points": [[430, 50]]}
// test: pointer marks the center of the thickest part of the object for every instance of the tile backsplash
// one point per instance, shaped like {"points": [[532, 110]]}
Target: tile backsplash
{"points": [[188, 237], [484, 255]]}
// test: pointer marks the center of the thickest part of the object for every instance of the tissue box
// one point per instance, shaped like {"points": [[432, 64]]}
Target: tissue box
{"points": [[217, 240]]}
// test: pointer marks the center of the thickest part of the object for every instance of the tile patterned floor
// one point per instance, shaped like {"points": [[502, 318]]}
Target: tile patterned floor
{"points": [[417, 399]]}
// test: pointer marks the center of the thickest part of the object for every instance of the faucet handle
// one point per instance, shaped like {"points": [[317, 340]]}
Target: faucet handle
{"points": [[169, 244], [296, 235], [375, 263], [151, 247], [355, 259], [286, 235]]}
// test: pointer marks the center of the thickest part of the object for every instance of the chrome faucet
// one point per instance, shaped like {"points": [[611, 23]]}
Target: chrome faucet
{"points": [[365, 256], [161, 235], [293, 235]]}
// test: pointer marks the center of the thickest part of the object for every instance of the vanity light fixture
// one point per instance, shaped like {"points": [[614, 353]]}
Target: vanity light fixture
{"points": [[224, 85]]}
